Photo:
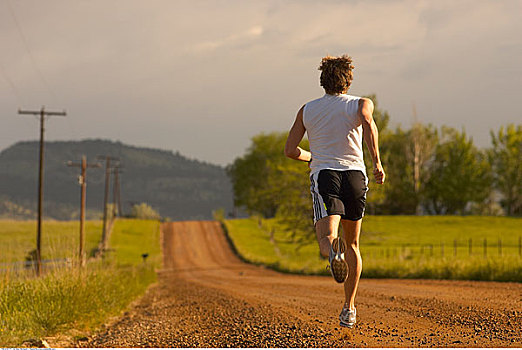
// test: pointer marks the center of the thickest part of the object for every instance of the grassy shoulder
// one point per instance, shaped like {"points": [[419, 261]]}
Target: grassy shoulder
{"points": [[437, 247], [69, 299], [270, 245], [132, 238]]}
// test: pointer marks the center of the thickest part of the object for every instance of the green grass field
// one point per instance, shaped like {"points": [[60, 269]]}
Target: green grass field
{"points": [[398, 247], [70, 301], [59, 239]]}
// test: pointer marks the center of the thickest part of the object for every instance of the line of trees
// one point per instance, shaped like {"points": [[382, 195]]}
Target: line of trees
{"points": [[429, 171], [440, 171]]}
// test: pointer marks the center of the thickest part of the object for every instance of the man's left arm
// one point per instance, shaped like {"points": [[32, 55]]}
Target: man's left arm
{"points": [[371, 137], [292, 149]]}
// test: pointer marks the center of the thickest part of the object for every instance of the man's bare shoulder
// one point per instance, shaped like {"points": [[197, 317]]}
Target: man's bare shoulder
{"points": [[365, 107], [365, 102]]}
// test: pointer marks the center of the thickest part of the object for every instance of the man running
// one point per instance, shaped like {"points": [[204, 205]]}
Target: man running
{"points": [[336, 124]]}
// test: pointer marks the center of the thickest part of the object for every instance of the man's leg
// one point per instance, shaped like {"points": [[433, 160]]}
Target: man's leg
{"points": [[327, 230], [352, 230]]}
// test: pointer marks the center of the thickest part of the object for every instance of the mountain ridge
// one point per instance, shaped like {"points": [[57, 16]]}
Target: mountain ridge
{"points": [[176, 186]]}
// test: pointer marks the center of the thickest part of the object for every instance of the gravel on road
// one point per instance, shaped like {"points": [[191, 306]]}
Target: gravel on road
{"points": [[207, 297]]}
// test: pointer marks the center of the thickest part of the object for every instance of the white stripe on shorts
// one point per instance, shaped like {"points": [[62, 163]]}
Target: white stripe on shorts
{"points": [[318, 202]]}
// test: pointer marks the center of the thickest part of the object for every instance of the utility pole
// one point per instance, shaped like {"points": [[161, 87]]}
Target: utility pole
{"points": [[82, 179], [120, 210], [106, 197], [116, 199], [42, 113]]}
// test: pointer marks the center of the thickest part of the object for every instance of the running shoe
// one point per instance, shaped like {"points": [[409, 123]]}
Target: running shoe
{"points": [[338, 266], [347, 317]]}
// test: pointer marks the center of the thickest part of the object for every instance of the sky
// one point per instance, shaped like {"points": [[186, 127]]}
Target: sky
{"points": [[204, 77]]}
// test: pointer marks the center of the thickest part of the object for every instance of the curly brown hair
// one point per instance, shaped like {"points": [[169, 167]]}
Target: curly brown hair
{"points": [[336, 74]]}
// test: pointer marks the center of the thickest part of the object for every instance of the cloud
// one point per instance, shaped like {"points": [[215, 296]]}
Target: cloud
{"points": [[191, 67], [246, 36]]}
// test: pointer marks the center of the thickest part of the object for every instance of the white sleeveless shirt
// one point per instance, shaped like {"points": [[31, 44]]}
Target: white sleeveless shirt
{"points": [[334, 131]]}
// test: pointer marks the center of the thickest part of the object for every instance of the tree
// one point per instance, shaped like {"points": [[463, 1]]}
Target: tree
{"points": [[505, 158], [419, 151], [397, 192], [269, 184], [460, 175], [250, 174], [406, 155], [144, 211], [291, 182]]}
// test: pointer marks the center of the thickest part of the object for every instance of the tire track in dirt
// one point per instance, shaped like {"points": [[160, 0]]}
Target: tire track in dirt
{"points": [[207, 297]]}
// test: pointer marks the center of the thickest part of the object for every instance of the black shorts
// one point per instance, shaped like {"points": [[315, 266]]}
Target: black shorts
{"points": [[336, 192]]}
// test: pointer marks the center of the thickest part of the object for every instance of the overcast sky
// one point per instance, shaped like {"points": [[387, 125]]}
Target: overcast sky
{"points": [[203, 77]]}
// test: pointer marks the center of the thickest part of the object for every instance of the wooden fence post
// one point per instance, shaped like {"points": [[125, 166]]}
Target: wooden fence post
{"points": [[454, 247]]}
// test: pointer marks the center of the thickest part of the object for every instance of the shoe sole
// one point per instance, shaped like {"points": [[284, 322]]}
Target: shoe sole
{"points": [[346, 325], [339, 267]]}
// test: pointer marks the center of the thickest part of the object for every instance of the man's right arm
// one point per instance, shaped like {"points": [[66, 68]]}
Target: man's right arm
{"points": [[371, 137]]}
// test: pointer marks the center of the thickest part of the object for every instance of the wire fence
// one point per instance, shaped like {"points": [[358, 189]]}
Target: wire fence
{"points": [[31, 264], [456, 248]]}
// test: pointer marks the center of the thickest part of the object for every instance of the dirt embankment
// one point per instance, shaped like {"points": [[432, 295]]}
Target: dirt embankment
{"points": [[206, 297]]}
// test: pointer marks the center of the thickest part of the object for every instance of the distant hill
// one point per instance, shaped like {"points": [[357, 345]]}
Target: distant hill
{"points": [[177, 187]]}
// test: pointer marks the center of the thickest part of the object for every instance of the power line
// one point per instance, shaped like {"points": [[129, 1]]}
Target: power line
{"points": [[29, 52], [9, 82]]}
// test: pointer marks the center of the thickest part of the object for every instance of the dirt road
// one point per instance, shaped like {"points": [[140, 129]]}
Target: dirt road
{"points": [[207, 297]]}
